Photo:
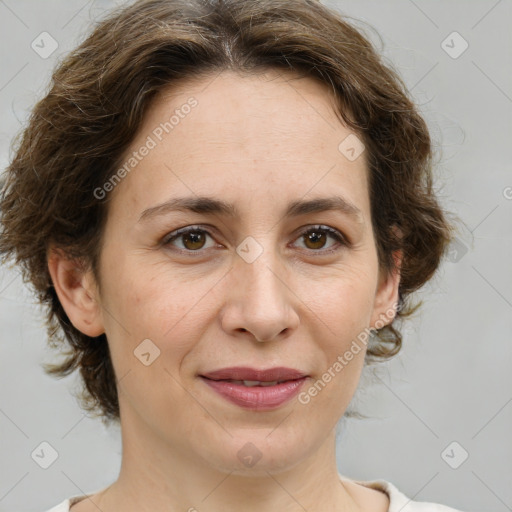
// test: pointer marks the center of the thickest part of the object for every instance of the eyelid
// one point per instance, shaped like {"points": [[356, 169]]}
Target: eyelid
{"points": [[187, 229], [335, 233]]}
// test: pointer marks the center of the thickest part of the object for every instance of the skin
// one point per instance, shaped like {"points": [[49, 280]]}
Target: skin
{"points": [[259, 142]]}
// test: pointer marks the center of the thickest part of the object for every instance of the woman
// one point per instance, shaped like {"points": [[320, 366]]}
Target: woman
{"points": [[225, 207]]}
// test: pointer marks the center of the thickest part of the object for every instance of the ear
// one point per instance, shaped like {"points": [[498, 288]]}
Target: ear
{"points": [[77, 292], [386, 297]]}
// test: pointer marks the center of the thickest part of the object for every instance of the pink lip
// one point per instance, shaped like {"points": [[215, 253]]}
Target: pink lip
{"points": [[256, 398]]}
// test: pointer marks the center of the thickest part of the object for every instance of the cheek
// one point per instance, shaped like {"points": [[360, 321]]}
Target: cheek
{"points": [[343, 303], [147, 304], [340, 316], [150, 318]]}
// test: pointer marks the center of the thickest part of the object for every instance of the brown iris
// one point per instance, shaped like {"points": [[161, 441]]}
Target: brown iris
{"points": [[195, 239], [317, 238]]}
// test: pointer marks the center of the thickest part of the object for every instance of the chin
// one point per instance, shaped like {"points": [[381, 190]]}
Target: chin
{"points": [[257, 452]]}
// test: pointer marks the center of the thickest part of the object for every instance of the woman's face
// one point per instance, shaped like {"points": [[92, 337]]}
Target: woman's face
{"points": [[260, 282]]}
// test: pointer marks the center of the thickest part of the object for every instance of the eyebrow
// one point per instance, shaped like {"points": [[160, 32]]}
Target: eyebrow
{"points": [[211, 206]]}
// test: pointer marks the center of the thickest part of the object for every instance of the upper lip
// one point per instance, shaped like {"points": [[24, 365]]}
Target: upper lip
{"points": [[246, 373]]}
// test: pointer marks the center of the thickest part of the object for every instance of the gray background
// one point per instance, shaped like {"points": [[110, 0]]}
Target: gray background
{"points": [[452, 380]]}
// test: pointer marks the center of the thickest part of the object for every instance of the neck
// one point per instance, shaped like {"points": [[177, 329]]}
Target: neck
{"points": [[156, 475]]}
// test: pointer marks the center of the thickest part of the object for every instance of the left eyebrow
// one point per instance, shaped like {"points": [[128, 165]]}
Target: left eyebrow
{"points": [[211, 206]]}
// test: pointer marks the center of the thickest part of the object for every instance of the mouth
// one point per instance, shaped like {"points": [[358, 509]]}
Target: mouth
{"points": [[256, 390], [251, 383]]}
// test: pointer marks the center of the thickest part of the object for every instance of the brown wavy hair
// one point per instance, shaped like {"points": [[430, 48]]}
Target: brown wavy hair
{"points": [[77, 134]]}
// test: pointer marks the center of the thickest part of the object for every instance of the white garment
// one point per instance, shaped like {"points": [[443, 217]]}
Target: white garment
{"points": [[398, 502]]}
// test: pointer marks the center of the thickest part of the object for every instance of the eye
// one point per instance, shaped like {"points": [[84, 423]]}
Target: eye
{"points": [[316, 237], [192, 238]]}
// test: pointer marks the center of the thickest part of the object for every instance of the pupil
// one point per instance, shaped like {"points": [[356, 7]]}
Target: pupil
{"points": [[194, 239], [316, 238]]}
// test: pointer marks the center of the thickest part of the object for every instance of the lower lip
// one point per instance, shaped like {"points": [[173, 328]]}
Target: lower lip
{"points": [[257, 398]]}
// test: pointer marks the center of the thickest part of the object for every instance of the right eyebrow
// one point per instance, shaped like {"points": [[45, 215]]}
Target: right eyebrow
{"points": [[212, 206]]}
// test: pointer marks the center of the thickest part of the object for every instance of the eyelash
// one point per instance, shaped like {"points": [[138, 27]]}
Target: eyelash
{"points": [[316, 228]]}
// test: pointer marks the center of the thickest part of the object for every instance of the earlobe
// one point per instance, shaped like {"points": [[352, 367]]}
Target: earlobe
{"points": [[77, 292]]}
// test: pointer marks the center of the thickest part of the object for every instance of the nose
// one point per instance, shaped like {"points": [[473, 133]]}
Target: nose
{"points": [[259, 301]]}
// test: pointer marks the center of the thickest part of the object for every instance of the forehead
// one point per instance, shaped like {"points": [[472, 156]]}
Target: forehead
{"points": [[239, 135], [246, 111]]}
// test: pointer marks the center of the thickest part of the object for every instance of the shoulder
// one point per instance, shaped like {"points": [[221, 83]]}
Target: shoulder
{"points": [[66, 505], [61, 507], [399, 502]]}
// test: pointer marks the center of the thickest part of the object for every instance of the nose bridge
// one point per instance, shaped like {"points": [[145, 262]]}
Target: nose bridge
{"points": [[258, 268], [259, 301], [262, 276]]}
